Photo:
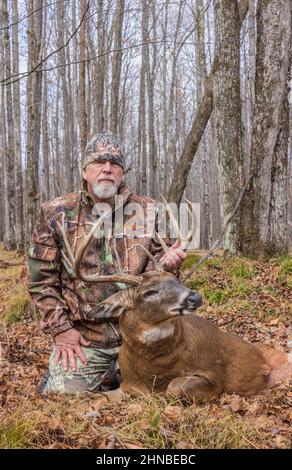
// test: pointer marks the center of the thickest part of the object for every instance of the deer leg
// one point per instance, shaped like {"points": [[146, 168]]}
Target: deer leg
{"points": [[279, 363], [280, 374], [194, 388]]}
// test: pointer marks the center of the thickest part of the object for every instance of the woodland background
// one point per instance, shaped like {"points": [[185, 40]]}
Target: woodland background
{"points": [[197, 90]]}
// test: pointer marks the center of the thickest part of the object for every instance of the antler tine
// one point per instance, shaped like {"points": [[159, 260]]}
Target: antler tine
{"points": [[162, 242], [182, 240], [66, 242], [191, 232], [155, 263], [92, 278], [119, 263], [172, 218], [125, 278]]}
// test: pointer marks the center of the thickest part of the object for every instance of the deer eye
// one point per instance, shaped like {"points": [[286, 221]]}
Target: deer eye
{"points": [[149, 293]]}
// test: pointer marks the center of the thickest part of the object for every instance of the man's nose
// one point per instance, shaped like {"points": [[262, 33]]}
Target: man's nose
{"points": [[107, 168]]}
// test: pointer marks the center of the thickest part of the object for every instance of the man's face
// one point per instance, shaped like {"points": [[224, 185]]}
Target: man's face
{"points": [[103, 178]]}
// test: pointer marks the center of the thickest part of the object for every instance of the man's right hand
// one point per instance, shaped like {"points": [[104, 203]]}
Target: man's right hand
{"points": [[67, 345]]}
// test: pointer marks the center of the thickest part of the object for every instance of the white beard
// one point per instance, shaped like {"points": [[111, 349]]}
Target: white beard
{"points": [[104, 191]]}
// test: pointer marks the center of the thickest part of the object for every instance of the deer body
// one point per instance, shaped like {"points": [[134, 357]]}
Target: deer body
{"points": [[191, 357]]}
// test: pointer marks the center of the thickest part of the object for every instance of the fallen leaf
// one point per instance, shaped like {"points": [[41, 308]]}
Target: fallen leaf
{"points": [[173, 413], [236, 404]]}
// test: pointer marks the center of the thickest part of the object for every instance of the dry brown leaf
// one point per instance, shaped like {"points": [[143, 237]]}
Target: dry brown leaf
{"points": [[134, 408], [236, 404], [173, 413], [129, 445]]}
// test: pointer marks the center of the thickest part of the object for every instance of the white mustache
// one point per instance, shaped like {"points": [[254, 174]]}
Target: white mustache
{"points": [[105, 179]]}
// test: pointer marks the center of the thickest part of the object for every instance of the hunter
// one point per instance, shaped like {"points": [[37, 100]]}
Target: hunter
{"points": [[85, 349]]}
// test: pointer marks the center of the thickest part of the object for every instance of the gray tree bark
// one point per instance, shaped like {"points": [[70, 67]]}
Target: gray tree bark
{"points": [[82, 91], [34, 95], [18, 173], [9, 157], [227, 115], [117, 64], [265, 205]]}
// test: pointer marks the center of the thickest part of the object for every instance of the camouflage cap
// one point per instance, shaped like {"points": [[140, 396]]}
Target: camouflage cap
{"points": [[104, 146]]}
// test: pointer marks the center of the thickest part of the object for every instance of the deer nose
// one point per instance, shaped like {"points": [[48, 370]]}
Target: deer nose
{"points": [[193, 300]]}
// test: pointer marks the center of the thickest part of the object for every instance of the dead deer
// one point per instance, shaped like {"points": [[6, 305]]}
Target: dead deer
{"points": [[166, 347]]}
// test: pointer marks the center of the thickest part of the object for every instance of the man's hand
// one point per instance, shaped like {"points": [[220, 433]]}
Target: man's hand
{"points": [[67, 345], [173, 258]]}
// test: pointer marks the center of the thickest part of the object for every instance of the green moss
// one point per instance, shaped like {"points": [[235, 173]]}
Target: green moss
{"points": [[199, 283], [240, 287], [216, 263], [217, 296], [285, 273], [190, 261], [240, 269], [286, 264]]}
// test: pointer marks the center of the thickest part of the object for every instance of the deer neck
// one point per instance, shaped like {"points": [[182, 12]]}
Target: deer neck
{"points": [[152, 339]]}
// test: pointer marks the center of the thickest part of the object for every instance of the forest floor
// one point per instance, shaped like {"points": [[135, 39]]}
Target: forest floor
{"points": [[250, 298]]}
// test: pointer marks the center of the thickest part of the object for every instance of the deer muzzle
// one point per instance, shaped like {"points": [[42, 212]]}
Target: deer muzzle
{"points": [[192, 301]]}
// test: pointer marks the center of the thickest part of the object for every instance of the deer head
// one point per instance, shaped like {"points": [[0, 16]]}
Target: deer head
{"points": [[153, 297]]}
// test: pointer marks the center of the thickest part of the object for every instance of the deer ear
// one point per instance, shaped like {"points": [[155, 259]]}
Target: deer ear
{"points": [[113, 306]]}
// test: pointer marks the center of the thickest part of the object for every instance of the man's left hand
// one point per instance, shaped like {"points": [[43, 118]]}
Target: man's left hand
{"points": [[173, 258]]}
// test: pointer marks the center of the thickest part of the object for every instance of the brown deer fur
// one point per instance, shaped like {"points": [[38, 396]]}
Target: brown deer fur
{"points": [[167, 348]]}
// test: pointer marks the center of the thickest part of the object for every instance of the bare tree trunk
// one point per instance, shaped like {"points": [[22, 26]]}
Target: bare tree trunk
{"points": [[57, 162], [117, 64], [19, 229], [10, 239], [227, 115], [290, 177], [67, 141], [4, 155], [201, 79], [164, 101], [171, 151], [75, 106], [100, 76], [151, 69], [34, 96], [45, 142], [142, 151], [265, 205], [82, 93], [45, 193]]}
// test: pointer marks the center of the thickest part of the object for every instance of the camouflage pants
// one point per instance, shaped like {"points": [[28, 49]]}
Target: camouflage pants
{"points": [[100, 373]]}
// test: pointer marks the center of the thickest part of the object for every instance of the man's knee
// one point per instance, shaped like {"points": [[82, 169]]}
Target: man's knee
{"points": [[100, 373]]}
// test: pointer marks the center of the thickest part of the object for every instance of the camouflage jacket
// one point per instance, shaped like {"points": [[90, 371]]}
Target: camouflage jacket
{"points": [[63, 300]]}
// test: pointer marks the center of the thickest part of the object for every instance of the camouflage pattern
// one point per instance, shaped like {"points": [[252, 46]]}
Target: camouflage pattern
{"points": [[104, 146], [65, 301], [89, 378]]}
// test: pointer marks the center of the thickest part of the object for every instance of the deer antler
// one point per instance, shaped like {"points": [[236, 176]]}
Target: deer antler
{"points": [[155, 263], [75, 263], [182, 241]]}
